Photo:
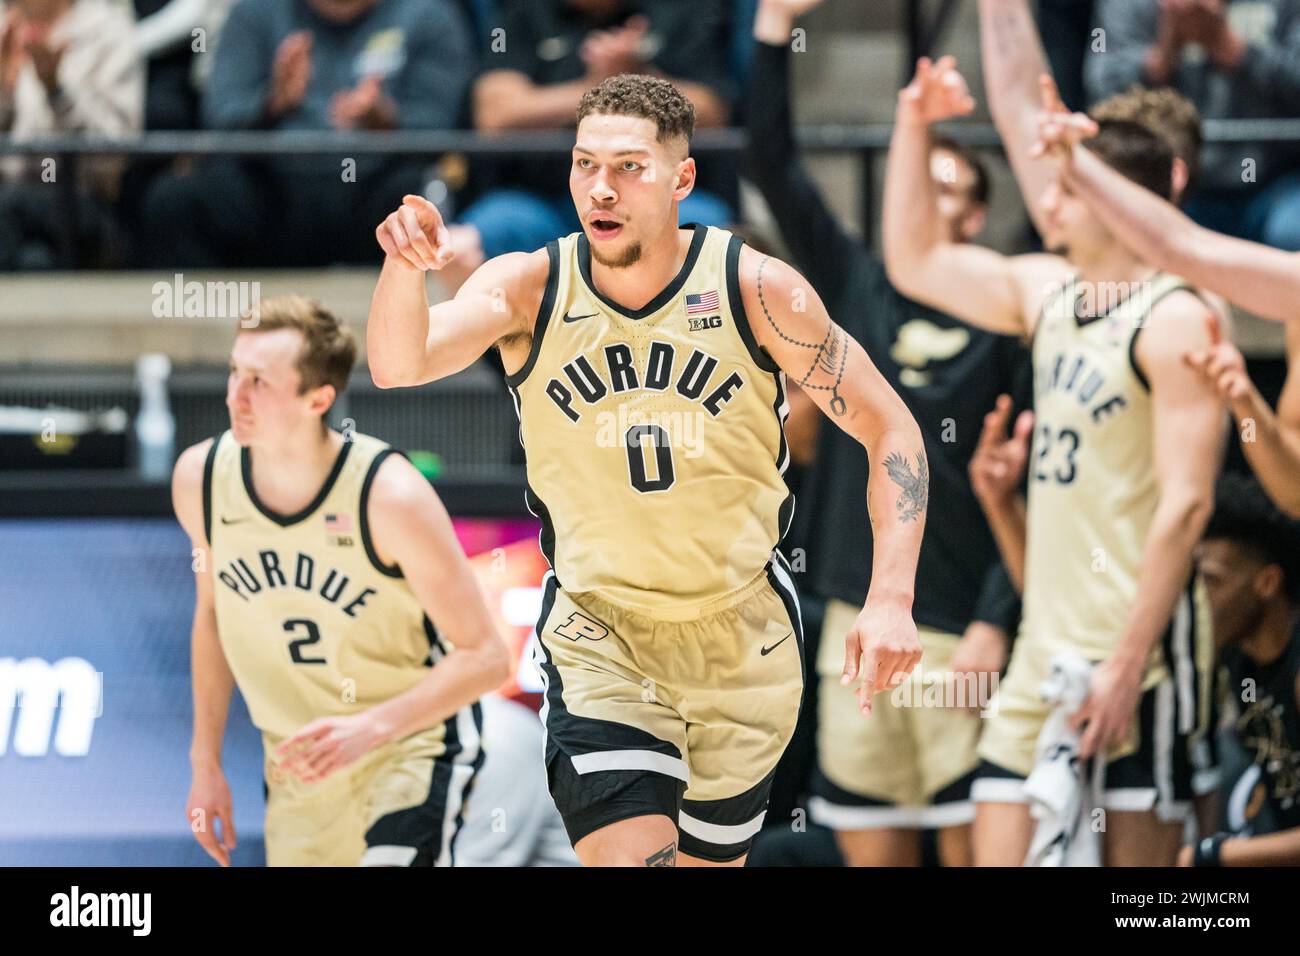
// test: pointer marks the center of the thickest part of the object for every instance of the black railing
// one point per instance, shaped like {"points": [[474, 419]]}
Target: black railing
{"points": [[865, 139]]}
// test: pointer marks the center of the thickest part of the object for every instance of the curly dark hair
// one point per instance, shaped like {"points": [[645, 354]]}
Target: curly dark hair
{"points": [[1243, 513], [1166, 113], [635, 94], [1141, 154]]}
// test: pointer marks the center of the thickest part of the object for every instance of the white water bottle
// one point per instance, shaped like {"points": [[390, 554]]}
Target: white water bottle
{"points": [[155, 429]]}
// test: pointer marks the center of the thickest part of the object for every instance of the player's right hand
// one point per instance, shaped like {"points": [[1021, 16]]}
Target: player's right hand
{"points": [[208, 804], [937, 92], [415, 236], [1059, 129]]}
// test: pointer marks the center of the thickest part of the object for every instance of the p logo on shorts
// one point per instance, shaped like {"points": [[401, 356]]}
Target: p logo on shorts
{"points": [[579, 626]]}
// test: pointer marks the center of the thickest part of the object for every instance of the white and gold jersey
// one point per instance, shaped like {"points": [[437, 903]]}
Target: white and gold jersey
{"points": [[311, 623], [653, 436], [1092, 480]]}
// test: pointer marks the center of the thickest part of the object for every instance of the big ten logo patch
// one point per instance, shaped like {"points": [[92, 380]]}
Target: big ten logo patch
{"points": [[579, 626], [698, 323]]}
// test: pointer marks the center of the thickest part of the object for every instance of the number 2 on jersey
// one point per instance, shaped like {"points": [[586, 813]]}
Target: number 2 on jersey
{"points": [[310, 634]]}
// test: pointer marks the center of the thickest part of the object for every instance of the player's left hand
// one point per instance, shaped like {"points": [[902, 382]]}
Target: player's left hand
{"points": [[1107, 712], [884, 642], [327, 744]]}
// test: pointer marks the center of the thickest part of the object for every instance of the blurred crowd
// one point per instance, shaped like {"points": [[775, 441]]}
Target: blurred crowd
{"points": [[110, 68]]}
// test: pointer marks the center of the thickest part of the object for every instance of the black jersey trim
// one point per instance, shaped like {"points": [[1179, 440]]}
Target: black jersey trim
{"points": [[543, 313], [1084, 323], [737, 303], [390, 570], [668, 292], [284, 521], [209, 466], [532, 501], [1132, 342]]}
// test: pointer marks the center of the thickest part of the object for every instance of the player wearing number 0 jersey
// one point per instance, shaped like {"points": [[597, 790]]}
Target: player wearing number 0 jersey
{"points": [[323, 562], [1128, 442], [647, 364]]}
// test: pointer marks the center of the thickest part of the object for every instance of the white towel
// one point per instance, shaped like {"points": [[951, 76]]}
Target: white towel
{"points": [[1060, 798]]}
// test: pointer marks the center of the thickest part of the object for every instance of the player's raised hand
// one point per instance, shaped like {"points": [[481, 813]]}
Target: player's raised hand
{"points": [[1223, 366], [1059, 130], [415, 236], [937, 92], [326, 745], [999, 460], [880, 650], [208, 805]]}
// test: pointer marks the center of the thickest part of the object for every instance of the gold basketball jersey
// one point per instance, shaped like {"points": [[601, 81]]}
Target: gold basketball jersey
{"points": [[312, 624], [654, 437], [1092, 481]]}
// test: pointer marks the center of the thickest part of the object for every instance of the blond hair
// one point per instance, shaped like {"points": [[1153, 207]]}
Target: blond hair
{"points": [[329, 348]]}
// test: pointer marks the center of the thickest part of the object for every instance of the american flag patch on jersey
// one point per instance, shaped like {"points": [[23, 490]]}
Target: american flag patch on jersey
{"points": [[698, 304], [338, 524]]}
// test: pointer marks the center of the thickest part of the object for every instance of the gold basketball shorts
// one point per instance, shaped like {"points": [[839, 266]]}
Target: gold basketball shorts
{"points": [[400, 805], [1168, 757], [911, 763], [685, 718]]}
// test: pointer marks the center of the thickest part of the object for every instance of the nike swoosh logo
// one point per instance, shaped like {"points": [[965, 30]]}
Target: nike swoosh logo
{"points": [[768, 650], [575, 318], [225, 520]]}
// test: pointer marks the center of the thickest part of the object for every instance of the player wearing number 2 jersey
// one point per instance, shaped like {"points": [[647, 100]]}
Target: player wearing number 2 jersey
{"points": [[647, 363], [323, 562]]}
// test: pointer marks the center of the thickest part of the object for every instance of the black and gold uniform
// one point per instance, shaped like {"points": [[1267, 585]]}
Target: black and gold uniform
{"points": [[670, 638], [314, 625]]}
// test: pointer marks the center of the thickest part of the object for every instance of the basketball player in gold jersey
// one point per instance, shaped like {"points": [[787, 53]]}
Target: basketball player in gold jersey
{"points": [[647, 363], [322, 561], [1126, 447]]}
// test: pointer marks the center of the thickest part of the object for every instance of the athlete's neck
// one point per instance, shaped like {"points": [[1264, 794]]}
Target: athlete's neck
{"points": [[661, 259], [1269, 641], [288, 474], [1109, 263]]}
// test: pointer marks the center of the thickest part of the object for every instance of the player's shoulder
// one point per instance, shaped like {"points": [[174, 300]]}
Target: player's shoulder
{"points": [[187, 485], [520, 277], [191, 463], [1181, 318], [1041, 272], [398, 488], [762, 274]]}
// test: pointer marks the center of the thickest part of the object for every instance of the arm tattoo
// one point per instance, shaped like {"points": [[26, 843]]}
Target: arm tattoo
{"points": [[915, 487], [665, 857], [831, 353]]}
